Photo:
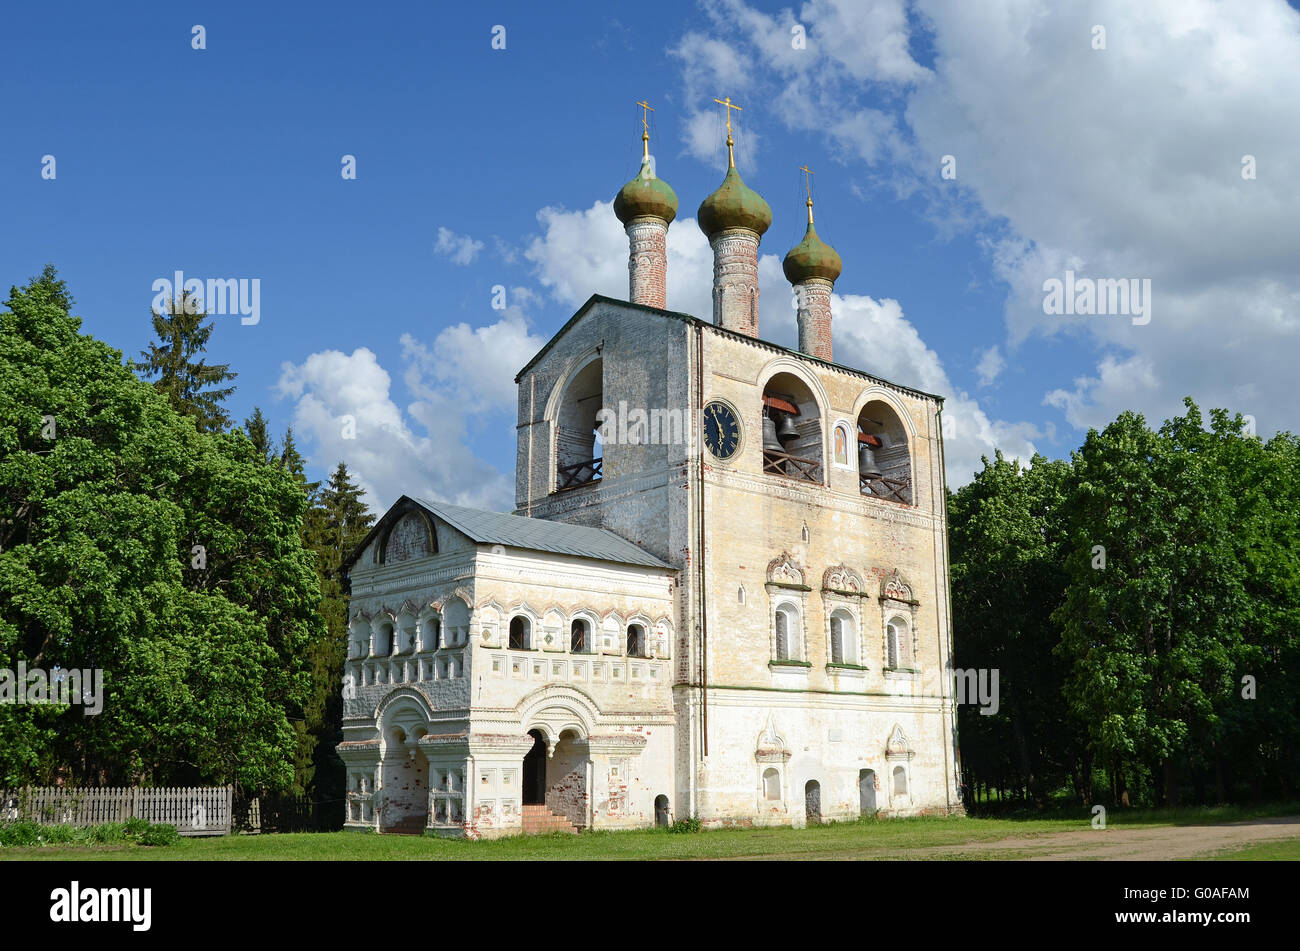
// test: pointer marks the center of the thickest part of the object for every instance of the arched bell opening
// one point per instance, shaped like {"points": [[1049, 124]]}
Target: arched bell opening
{"points": [[792, 430], [578, 449], [884, 456]]}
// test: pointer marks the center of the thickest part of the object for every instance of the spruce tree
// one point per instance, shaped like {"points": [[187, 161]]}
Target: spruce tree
{"points": [[291, 459], [336, 523], [193, 387], [256, 429]]}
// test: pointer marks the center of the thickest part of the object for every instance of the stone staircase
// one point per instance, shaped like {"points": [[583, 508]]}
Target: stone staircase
{"points": [[538, 820]]}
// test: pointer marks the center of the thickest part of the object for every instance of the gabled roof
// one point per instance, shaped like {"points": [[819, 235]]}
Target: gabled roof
{"points": [[517, 531], [689, 320]]}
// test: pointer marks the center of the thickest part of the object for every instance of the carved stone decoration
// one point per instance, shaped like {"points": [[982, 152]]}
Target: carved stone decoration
{"points": [[771, 746], [842, 578], [783, 571], [897, 747], [895, 588]]}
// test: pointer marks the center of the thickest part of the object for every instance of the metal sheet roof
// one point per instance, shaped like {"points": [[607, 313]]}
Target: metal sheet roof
{"points": [[540, 534]]}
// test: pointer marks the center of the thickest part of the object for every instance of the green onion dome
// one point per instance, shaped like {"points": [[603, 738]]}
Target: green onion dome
{"points": [[646, 196], [812, 257], [734, 205]]}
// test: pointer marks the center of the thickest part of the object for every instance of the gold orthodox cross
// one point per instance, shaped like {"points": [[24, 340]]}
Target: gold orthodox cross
{"points": [[807, 181], [731, 156], [646, 109]]}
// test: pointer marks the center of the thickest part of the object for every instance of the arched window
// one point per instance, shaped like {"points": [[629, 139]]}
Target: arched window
{"points": [[383, 635], [844, 642], [812, 802], [900, 781], [358, 643], [521, 632], [406, 636], [867, 792], [898, 640], [577, 448], [635, 640], [579, 636], [455, 623], [787, 632], [771, 784]]}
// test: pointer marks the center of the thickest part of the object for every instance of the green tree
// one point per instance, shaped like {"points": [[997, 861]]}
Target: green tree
{"points": [[1152, 634], [291, 459], [1007, 550], [166, 557], [338, 522], [256, 429], [1252, 753], [192, 386]]}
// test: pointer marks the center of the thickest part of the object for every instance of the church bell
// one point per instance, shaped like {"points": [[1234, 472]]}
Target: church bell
{"points": [[868, 467], [770, 441], [786, 430]]}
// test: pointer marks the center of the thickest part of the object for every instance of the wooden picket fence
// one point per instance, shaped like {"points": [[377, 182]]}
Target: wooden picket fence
{"points": [[192, 810]]}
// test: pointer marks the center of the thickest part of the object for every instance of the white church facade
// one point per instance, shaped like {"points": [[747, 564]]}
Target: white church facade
{"points": [[723, 592]]}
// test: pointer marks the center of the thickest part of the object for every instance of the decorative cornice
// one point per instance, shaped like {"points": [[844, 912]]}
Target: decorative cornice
{"points": [[616, 743], [816, 494]]}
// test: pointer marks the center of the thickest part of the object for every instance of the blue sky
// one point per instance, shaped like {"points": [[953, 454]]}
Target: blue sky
{"points": [[479, 167]]}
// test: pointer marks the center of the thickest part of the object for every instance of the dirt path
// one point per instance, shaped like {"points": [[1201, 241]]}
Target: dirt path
{"points": [[1116, 843], [1160, 843]]}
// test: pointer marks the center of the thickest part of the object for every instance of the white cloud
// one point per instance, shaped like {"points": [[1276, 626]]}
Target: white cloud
{"points": [[465, 379], [460, 248], [710, 65], [476, 363], [578, 255], [868, 39], [1126, 162], [1117, 163], [990, 366], [1119, 385]]}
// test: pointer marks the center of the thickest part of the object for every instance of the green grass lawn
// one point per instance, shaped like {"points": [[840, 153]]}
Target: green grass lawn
{"points": [[1283, 850], [918, 838]]}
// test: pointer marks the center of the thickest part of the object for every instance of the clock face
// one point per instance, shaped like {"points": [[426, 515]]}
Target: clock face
{"points": [[721, 430]]}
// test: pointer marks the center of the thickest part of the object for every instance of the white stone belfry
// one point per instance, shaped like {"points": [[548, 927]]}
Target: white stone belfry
{"points": [[743, 620]]}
